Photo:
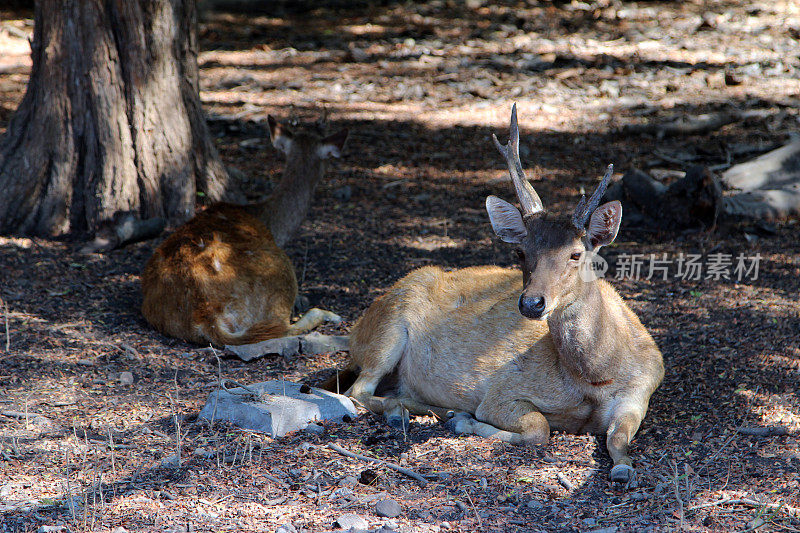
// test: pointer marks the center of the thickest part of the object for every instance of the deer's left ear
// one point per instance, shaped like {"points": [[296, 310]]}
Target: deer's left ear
{"points": [[280, 135], [604, 224], [506, 221], [332, 145]]}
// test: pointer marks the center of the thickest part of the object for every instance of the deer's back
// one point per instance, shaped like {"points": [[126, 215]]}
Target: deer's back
{"points": [[221, 263]]}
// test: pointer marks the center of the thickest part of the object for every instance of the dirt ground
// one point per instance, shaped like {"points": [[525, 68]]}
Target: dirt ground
{"points": [[421, 87]]}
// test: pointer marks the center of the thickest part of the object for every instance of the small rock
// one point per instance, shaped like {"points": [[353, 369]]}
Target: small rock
{"points": [[315, 428], [348, 481], [286, 528], [343, 193], [533, 504], [126, 378], [612, 529], [51, 529], [388, 509], [351, 521], [589, 522], [368, 477], [119, 529], [170, 462], [445, 525], [202, 452]]}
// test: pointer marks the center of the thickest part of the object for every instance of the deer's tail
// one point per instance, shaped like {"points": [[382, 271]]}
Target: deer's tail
{"points": [[260, 331], [342, 380]]}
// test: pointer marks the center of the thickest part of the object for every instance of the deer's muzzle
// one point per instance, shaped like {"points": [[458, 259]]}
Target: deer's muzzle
{"points": [[532, 306]]}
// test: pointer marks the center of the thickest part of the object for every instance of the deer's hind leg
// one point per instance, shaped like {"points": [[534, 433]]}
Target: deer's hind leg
{"points": [[377, 344], [313, 318]]}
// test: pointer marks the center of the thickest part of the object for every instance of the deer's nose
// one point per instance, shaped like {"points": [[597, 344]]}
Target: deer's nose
{"points": [[531, 307]]}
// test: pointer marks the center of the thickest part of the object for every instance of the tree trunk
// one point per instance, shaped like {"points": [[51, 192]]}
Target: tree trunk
{"points": [[111, 122]]}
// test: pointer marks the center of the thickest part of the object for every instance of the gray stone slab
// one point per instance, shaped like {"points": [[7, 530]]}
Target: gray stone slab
{"points": [[767, 187], [310, 344], [279, 408]]}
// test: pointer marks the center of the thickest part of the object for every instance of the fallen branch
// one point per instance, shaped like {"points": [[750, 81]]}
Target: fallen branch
{"points": [[695, 125], [792, 511], [769, 431], [19, 414], [683, 126], [397, 468]]}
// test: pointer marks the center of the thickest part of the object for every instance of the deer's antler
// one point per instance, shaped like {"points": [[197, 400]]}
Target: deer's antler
{"points": [[530, 201], [585, 209]]}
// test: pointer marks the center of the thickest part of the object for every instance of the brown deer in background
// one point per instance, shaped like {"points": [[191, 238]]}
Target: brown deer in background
{"points": [[222, 277], [552, 350]]}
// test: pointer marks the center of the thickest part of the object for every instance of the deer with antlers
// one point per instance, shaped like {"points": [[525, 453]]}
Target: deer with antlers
{"points": [[222, 277], [551, 349]]}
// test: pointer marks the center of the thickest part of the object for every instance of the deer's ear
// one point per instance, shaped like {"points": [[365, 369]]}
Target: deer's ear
{"points": [[280, 135], [604, 224], [506, 220], [332, 145]]}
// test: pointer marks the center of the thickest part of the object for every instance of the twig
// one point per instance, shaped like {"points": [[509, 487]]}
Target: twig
{"points": [[70, 502], [677, 492], [4, 305], [474, 510], [397, 468], [219, 384], [111, 447], [791, 511], [177, 430], [250, 392]]}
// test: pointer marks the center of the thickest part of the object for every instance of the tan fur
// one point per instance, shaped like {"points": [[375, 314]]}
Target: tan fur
{"points": [[222, 277]]}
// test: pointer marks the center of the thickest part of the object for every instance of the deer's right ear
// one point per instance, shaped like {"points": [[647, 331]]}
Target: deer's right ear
{"points": [[280, 135], [332, 145], [604, 224], [506, 220]]}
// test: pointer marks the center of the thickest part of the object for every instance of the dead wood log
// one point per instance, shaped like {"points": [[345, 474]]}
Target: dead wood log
{"points": [[694, 201]]}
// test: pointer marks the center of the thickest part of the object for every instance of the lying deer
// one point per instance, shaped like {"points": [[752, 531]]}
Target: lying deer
{"points": [[222, 277], [549, 351]]}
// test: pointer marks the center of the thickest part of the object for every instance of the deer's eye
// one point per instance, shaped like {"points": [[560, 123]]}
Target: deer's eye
{"points": [[520, 255], [575, 256]]}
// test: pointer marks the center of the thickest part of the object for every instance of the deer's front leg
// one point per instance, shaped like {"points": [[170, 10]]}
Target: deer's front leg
{"points": [[515, 415], [621, 430]]}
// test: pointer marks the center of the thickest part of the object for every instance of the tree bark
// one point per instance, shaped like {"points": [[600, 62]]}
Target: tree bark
{"points": [[111, 121]]}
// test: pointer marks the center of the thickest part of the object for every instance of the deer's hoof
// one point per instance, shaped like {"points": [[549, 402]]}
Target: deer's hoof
{"points": [[398, 421], [332, 318], [460, 423], [623, 474]]}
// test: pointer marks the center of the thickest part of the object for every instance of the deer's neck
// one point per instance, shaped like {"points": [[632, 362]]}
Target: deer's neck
{"points": [[584, 335], [287, 207]]}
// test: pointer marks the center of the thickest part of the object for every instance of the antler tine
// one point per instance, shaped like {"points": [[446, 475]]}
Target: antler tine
{"points": [[530, 201], [585, 209], [578, 214]]}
